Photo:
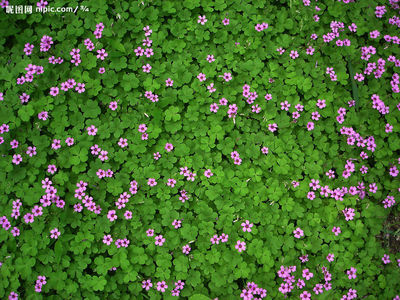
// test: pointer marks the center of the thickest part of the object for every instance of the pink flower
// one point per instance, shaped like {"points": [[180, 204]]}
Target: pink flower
{"points": [[307, 274], [111, 215], [386, 259], [305, 295], [202, 20], [102, 70], [336, 230], [311, 195], [152, 182], [298, 233], [92, 130], [352, 273], [169, 82], [223, 238], [123, 142], [169, 147], [157, 155], [146, 68], [15, 231], [208, 173], [17, 158], [186, 249], [294, 54], [102, 54], [107, 239], [215, 239], [177, 224], [54, 91], [159, 240], [146, 284], [113, 105], [56, 144], [43, 115], [80, 87], [330, 257], [201, 77], [210, 58], [150, 232], [240, 246], [69, 141], [310, 126], [225, 21], [247, 226], [142, 128], [264, 150], [227, 77], [13, 296], [161, 286], [171, 182], [51, 169], [214, 107], [54, 233]]}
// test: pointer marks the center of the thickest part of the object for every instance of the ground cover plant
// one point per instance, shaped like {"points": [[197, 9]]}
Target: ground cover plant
{"points": [[200, 149]]}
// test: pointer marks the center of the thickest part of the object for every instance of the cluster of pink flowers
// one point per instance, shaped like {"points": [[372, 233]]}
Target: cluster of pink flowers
{"points": [[67, 85], [53, 60], [134, 187], [142, 128], [76, 57], [162, 286], [28, 77], [389, 202], [380, 11], [122, 200], [251, 290], [353, 137], [236, 158], [223, 238], [250, 96], [261, 27], [379, 105], [89, 44], [183, 197], [99, 30], [289, 279], [28, 49], [45, 43], [13, 296], [122, 243], [190, 176], [351, 294], [348, 213], [152, 97], [331, 73], [40, 282], [395, 82], [87, 201], [46, 200]]}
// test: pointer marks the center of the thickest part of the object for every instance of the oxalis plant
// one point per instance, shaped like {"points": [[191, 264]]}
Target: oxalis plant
{"points": [[199, 149]]}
